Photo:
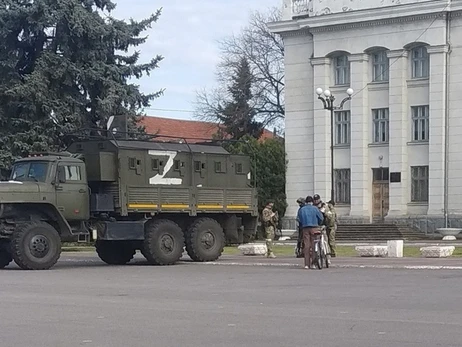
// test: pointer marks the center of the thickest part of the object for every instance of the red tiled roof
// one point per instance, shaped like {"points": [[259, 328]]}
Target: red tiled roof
{"points": [[191, 130]]}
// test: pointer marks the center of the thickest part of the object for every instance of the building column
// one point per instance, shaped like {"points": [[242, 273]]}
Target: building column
{"points": [[437, 122], [322, 163], [398, 132], [299, 97], [359, 151]]}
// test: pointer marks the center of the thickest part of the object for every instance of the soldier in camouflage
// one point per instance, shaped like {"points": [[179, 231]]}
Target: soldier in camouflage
{"points": [[269, 223], [331, 223]]}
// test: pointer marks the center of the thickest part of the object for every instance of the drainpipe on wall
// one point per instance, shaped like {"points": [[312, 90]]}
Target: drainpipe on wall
{"points": [[446, 125]]}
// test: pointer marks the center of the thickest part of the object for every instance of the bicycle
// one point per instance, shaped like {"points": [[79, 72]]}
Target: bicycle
{"points": [[321, 257], [299, 246]]}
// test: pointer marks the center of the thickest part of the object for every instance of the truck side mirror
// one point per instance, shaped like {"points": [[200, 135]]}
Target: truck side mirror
{"points": [[61, 174]]}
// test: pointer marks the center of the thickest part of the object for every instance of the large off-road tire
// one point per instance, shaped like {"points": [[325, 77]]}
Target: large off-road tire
{"points": [[35, 246], [115, 252], [163, 242], [5, 253], [205, 240]]}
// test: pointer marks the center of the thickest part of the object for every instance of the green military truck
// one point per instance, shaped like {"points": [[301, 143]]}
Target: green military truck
{"points": [[156, 197]]}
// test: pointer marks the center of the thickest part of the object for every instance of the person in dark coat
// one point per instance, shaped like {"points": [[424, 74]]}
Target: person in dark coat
{"points": [[310, 218]]}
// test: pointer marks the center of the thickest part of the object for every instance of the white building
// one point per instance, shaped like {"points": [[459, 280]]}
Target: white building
{"points": [[403, 58]]}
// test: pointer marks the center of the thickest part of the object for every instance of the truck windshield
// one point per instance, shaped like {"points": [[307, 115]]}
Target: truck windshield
{"points": [[30, 171]]}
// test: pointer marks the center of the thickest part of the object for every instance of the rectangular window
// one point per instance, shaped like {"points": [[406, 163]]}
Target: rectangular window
{"points": [[342, 70], [420, 123], [420, 62], [219, 167], [342, 127], [33, 171], [342, 186], [419, 181], [176, 165], [239, 169], [73, 173], [380, 174], [197, 166], [380, 125], [155, 164], [380, 66], [132, 163]]}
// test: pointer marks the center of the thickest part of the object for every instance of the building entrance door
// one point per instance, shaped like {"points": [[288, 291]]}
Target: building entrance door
{"points": [[380, 194]]}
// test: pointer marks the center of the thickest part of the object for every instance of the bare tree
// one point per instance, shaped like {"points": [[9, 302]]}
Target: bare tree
{"points": [[265, 53]]}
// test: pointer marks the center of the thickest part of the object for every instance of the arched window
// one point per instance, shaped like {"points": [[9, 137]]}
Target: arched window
{"points": [[380, 66], [420, 62], [341, 69]]}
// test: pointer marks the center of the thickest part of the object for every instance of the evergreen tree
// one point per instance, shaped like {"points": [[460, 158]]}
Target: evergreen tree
{"points": [[268, 166], [64, 66], [237, 115]]}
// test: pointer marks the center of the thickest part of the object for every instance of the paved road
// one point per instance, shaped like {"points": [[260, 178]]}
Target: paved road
{"points": [[82, 302]]}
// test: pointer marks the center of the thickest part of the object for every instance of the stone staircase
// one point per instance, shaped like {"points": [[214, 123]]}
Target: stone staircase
{"points": [[377, 232]]}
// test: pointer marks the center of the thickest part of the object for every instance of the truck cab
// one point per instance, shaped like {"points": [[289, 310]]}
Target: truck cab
{"points": [[54, 179]]}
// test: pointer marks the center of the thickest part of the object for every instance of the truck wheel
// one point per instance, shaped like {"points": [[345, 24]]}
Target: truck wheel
{"points": [[5, 253], [163, 242], [115, 252], [205, 240], [35, 246]]}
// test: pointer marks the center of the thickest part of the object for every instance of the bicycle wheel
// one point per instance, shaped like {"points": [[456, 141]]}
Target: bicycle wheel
{"points": [[325, 254], [318, 255], [325, 260], [314, 259]]}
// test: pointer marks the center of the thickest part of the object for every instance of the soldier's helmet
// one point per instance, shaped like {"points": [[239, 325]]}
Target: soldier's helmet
{"points": [[316, 197]]}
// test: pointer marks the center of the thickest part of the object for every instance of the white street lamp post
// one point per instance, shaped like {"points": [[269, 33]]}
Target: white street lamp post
{"points": [[328, 101]]}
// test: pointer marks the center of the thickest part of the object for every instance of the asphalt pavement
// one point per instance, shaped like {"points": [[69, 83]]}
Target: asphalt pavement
{"points": [[83, 302]]}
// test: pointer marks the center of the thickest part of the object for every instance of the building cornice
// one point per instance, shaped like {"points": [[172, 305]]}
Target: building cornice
{"points": [[374, 23], [398, 53], [409, 12], [294, 33], [370, 17], [359, 57], [283, 26], [438, 49], [320, 61]]}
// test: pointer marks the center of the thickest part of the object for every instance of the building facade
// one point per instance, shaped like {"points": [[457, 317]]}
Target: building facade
{"points": [[397, 143]]}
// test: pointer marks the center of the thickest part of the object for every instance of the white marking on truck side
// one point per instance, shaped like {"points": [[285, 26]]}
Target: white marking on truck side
{"points": [[159, 178]]}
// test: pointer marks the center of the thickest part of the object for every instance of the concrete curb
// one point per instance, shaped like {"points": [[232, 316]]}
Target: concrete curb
{"points": [[338, 266], [457, 243], [286, 264], [67, 251]]}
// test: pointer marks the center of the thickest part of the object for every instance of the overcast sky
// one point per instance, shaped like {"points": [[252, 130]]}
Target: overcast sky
{"points": [[186, 36]]}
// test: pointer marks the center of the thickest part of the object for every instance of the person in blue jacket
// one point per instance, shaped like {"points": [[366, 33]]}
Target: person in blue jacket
{"points": [[309, 218]]}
